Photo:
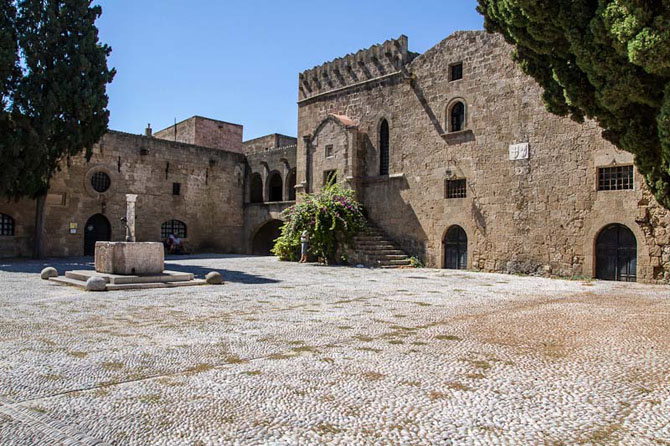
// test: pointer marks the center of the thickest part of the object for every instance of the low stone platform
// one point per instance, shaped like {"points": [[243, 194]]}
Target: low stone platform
{"points": [[166, 279]]}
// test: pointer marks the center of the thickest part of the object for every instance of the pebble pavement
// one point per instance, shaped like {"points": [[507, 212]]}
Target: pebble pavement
{"points": [[288, 354]]}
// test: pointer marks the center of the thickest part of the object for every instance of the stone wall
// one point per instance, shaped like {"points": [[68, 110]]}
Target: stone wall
{"points": [[268, 142], [210, 200], [539, 214], [205, 132]]}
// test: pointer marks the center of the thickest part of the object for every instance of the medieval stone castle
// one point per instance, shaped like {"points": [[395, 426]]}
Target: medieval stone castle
{"points": [[451, 151]]}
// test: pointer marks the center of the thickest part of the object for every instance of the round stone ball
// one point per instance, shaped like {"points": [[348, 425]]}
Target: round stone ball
{"points": [[96, 284], [48, 272], [214, 278]]}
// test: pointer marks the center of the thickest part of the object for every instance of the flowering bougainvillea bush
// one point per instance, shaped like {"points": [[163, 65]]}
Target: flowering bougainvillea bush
{"points": [[328, 216]]}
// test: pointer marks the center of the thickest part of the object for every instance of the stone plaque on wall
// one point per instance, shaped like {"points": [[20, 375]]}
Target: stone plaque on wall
{"points": [[519, 151]]}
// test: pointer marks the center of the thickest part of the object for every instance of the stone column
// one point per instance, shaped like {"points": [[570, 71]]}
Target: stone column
{"points": [[131, 199]]}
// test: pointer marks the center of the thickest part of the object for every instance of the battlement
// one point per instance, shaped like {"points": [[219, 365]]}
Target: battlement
{"points": [[374, 63]]}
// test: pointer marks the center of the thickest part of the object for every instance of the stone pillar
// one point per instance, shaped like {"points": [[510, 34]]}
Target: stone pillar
{"points": [[131, 199]]}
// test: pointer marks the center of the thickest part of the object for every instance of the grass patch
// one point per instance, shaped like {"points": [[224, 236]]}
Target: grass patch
{"points": [[396, 341], [53, 377], [448, 338], [327, 428], [481, 364], [372, 376], [368, 349], [458, 386], [112, 365], [437, 395], [364, 338], [234, 359], [344, 327], [252, 373], [200, 368], [151, 398], [78, 354], [305, 349]]}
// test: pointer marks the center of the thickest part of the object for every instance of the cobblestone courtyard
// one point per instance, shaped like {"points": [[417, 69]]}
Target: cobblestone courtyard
{"points": [[284, 354]]}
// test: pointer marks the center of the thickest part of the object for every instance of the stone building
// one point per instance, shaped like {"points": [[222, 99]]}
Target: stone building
{"points": [[451, 151], [191, 179], [455, 157]]}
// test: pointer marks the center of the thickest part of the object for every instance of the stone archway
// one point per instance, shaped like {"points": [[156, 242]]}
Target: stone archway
{"points": [[616, 254], [456, 248], [263, 239], [97, 229]]}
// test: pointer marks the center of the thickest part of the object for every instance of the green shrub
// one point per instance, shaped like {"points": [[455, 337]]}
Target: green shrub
{"points": [[328, 216]]}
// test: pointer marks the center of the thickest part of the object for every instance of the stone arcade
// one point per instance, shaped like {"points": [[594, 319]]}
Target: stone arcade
{"points": [[451, 151]]}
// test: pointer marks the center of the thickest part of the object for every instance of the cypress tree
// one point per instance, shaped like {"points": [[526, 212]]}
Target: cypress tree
{"points": [[607, 60], [57, 103]]}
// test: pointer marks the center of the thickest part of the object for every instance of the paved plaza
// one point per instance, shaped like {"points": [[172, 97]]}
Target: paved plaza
{"points": [[286, 354]]}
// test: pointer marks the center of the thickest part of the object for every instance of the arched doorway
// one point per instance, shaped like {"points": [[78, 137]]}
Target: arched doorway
{"points": [[264, 238], [290, 185], [97, 229], [256, 186], [456, 248], [275, 186], [616, 254]]}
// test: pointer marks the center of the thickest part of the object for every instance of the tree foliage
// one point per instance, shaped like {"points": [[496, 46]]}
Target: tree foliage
{"points": [[607, 60], [53, 101], [329, 216]]}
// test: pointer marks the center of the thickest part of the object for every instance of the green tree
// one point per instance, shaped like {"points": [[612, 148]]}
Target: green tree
{"points": [[330, 216], [54, 103], [607, 60]]}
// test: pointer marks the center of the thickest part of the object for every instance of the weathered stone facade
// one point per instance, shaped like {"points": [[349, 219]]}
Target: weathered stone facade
{"points": [[539, 213], [457, 137], [209, 203]]}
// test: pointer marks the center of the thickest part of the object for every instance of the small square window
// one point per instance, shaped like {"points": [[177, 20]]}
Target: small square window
{"points": [[456, 189], [456, 72], [329, 151], [330, 176], [176, 188]]}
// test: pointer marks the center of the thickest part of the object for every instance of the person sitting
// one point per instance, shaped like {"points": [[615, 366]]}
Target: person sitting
{"points": [[174, 244]]}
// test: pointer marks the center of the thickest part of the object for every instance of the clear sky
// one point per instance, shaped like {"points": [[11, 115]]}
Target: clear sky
{"points": [[238, 61]]}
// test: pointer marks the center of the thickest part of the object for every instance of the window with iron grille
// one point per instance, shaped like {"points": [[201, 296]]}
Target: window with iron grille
{"points": [[456, 189], [384, 148], [329, 151], [456, 72], [100, 182], [175, 227], [615, 178], [6, 225], [176, 188]]}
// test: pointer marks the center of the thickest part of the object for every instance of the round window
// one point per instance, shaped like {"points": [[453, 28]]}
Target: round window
{"points": [[100, 182]]}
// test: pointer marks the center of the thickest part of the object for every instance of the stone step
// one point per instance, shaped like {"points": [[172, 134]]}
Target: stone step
{"points": [[167, 276], [144, 286], [67, 281], [391, 257], [383, 252], [392, 262], [376, 246]]}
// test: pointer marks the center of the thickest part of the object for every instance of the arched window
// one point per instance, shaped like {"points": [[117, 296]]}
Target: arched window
{"points": [[175, 227], [6, 225], [256, 188], [275, 185], [457, 116], [290, 185], [384, 148]]}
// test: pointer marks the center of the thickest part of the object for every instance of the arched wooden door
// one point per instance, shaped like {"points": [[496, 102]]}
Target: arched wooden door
{"points": [[616, 254], [97, 229], [456, 248]]}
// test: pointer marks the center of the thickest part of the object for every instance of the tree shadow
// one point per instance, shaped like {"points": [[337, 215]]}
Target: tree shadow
{"points": [[62, 265]]}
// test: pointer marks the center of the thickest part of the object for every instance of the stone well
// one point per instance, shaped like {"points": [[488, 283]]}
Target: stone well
{"points": [[130, 258]]}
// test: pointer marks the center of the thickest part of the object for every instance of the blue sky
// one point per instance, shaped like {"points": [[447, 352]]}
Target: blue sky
{"points": [[239, 61]]}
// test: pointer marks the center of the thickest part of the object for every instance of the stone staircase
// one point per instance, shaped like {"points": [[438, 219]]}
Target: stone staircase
{"points": [[374, 248]]}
